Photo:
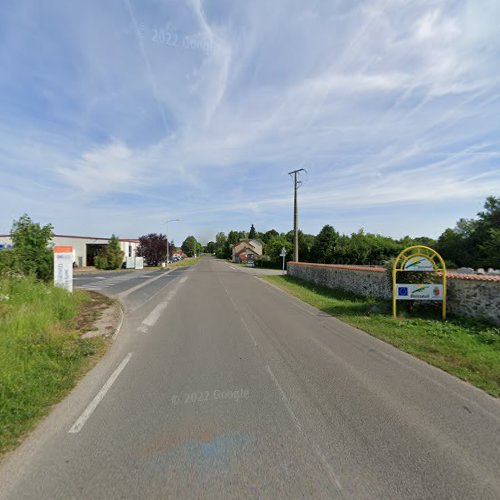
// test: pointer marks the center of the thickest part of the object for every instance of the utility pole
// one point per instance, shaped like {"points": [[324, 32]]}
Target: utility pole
{"points": [[297, 183]]}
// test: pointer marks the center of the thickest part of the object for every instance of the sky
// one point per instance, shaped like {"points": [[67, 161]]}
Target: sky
{"points": [[117, 116]]}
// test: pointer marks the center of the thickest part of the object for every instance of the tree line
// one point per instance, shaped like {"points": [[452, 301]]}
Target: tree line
{"points": [[472, 243]]}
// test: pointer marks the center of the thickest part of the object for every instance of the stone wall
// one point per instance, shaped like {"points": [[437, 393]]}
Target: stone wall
{"points": [[468, 295], [474, 296]]}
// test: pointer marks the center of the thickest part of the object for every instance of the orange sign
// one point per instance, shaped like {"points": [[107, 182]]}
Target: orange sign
{"points": [[61, 249]]}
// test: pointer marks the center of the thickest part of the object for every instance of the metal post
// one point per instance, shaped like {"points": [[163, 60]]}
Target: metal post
{"points": [[297, 184], [172, 220]]}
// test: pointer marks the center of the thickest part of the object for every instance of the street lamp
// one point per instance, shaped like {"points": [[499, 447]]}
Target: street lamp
{"points": [[171, 220]]}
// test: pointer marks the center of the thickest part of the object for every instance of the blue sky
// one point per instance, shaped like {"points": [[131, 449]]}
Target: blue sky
{"points": [[116, 116]]}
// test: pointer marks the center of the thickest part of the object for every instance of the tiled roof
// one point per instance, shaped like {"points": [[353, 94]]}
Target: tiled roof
{"points": [[453, 276], [473, 277], [339, 266]]}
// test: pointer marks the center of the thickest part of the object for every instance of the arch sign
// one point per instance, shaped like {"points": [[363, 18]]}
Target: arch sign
{"points": [[422, 259]]}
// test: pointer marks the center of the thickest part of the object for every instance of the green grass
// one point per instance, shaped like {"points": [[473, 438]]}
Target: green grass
{"points": [[466, 348], [190, 261], [41, 353]]}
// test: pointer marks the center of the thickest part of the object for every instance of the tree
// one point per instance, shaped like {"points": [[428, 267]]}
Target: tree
{"points": [[222, 247], [273, 250], [474, 242], [210, 247], [31, 254], [252, 234], [323, 248], [153, 247], [111, 256], [269, 235], [189, 246], [233, 237], [305, 244]]}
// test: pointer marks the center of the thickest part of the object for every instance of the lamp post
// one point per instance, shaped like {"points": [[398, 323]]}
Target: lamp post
{"points": [[171, 220]]}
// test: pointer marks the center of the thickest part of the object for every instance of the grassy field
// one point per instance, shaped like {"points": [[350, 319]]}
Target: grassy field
{"points": [[41, 353], [468, 349]]}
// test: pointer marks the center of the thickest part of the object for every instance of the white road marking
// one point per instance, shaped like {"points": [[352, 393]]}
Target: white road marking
{"points": [[155, 314], [183, 279], [247, 328], [78, 425], [297, 423], [141, 285]]}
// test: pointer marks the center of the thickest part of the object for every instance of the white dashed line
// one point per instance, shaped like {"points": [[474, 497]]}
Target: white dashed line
{"points": [[78, 425]]}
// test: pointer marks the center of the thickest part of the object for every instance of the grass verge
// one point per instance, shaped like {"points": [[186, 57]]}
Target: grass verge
{"points": [[41, 353], [466, 348], [190, 261]]}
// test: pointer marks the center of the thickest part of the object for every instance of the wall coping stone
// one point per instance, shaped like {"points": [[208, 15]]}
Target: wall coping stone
{"points": [[453, 276]]}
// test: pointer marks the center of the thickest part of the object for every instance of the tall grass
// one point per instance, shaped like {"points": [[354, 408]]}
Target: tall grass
{"points": [[41, 353]]}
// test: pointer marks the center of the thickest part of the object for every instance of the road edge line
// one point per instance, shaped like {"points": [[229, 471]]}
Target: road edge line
{"points": [[91, 407]]}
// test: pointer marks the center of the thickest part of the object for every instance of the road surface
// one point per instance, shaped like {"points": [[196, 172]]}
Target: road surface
{"points": [[221, 386]]}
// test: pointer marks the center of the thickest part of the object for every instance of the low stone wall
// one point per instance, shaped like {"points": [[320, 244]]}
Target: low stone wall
{"points": [[468, 295], [474, 296]]}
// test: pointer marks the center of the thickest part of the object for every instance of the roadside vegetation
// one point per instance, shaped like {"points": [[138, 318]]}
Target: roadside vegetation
{"points": [[471, 243], [466, 348], [41, 352], [111, 256], [190, 261]]}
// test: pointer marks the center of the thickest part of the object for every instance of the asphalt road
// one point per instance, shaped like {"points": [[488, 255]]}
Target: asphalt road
{"points": [[221, 386]]}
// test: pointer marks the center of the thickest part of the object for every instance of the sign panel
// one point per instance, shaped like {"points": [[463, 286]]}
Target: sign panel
{"points": [[130, 262], [418, 264], [412, 291], [283, 253], [63, 267], [139, 262]]}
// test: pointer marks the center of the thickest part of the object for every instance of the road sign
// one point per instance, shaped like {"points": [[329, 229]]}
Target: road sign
{"points": [[63, 267], [421, 264], [139, 262], [413, 291], [283, 254], [419, 258]]}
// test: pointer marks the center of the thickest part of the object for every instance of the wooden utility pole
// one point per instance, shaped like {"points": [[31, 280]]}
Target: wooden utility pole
{"points": [[297, 184]]}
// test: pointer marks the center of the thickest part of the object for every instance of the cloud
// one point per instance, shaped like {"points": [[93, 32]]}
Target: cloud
{"points": [[385, 102]]}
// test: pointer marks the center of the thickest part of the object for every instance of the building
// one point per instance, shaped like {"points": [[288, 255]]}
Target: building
{"points": [[246, 248], [85, 248]]}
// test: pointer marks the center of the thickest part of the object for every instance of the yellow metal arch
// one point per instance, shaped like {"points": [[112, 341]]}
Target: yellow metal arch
{"points": [[404, 257]]}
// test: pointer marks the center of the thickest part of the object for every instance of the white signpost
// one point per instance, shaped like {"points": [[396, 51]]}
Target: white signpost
{"points": [[63, 267], [130, 263], [283, 254], [139, 262]]}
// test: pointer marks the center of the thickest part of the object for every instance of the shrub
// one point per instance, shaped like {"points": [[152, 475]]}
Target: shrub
{"points": [[110, 257]]}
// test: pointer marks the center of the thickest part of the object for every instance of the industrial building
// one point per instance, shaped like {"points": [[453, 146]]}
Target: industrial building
{"points": [[85, 248]]}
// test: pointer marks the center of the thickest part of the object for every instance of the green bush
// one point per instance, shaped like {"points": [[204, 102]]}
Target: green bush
{"points": [[111, 256], [31, 254]]}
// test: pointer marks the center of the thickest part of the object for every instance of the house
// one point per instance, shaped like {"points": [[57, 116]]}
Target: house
{"points": [[245, 248]]}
